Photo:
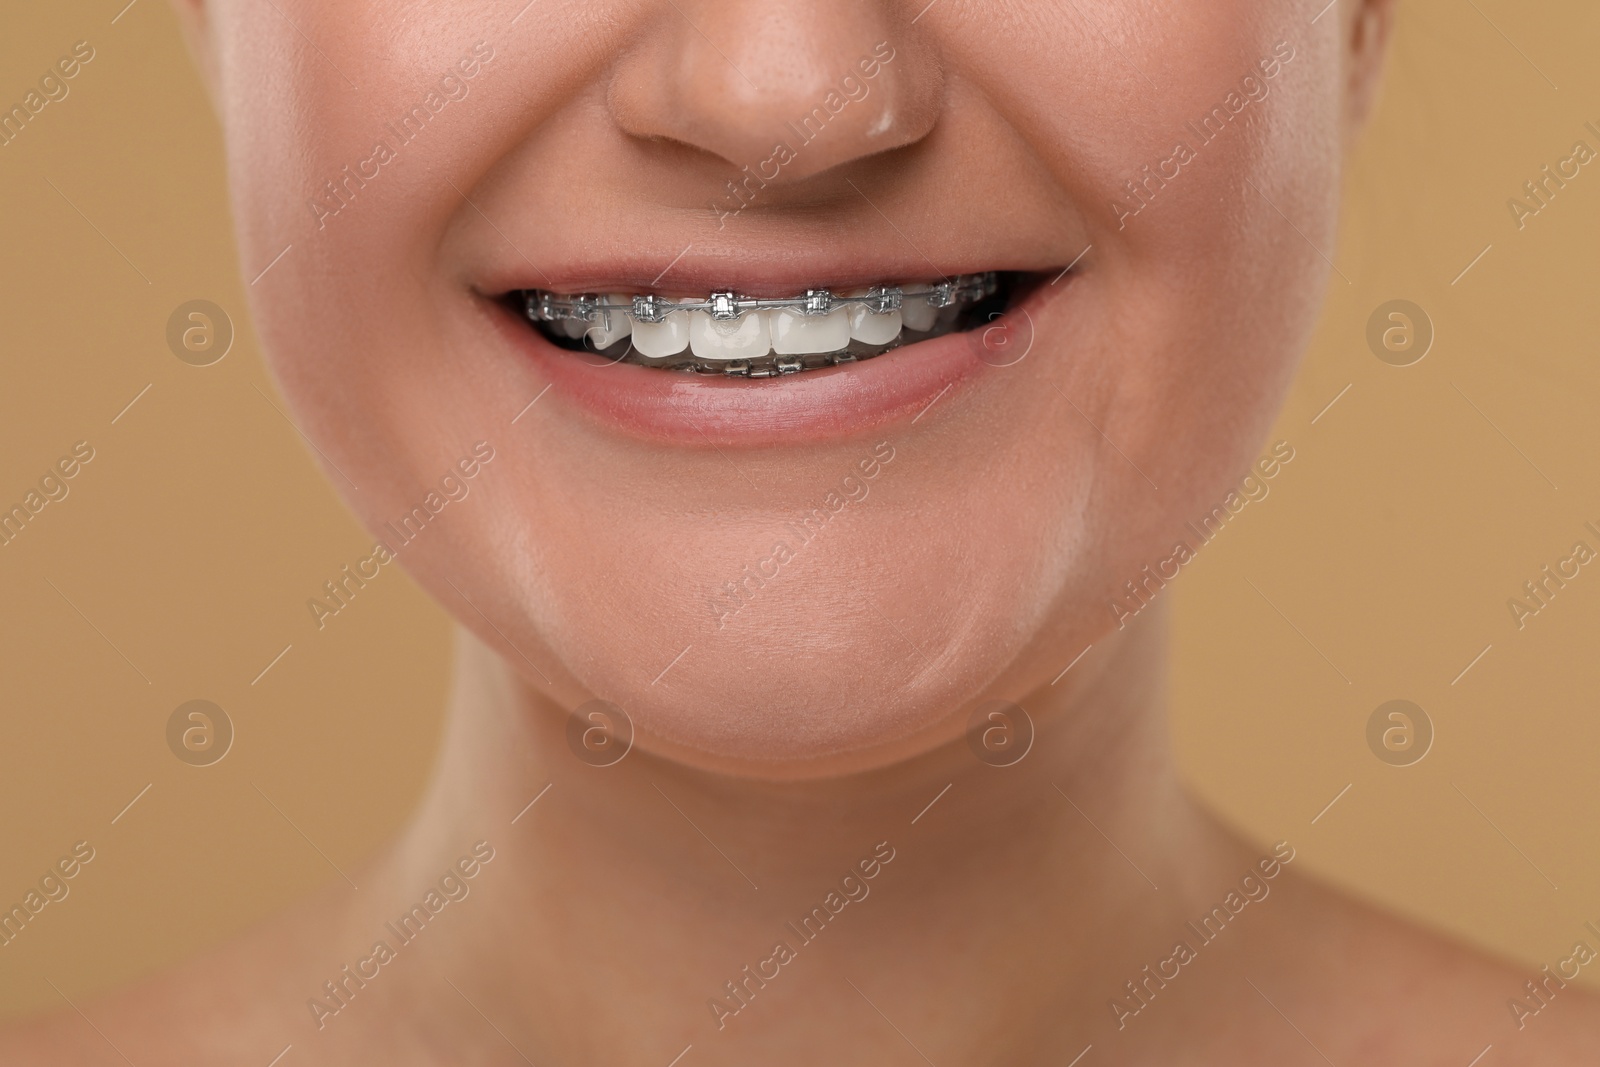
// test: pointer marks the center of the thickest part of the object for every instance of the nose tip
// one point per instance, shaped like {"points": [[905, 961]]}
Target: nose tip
{"points": [[786, 88]]}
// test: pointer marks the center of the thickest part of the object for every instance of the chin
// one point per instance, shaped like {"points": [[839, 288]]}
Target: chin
{"points": [[857, 650], [781, 702]]}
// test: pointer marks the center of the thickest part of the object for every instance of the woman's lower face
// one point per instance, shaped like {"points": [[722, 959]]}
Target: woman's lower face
{"points": [[791, 375]]}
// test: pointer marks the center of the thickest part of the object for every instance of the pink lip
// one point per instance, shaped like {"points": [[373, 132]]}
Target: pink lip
{"points": [[759, 273], [697, 409]]}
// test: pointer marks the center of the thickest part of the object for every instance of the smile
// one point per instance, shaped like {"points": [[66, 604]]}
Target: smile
{"points": [[735, 336]]}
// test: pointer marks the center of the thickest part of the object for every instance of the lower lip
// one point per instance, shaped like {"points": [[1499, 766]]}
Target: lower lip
{"points": [[689, 408]]}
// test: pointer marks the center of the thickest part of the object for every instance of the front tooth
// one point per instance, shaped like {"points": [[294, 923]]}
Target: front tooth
{"points": [[747, 337], [600, 334], [573, 328], [870, 328], [915, 311], [797, 334], [657, 340]]}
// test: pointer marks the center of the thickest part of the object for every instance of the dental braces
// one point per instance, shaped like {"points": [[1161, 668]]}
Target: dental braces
{"points": [[727, 305]]}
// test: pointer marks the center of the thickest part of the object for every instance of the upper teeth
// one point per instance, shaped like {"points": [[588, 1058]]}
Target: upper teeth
{"points": [[728, 329]]}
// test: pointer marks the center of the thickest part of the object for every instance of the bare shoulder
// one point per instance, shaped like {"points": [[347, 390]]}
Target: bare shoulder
{"points": [[1385, 990], [319, 978], [233, 1001]]}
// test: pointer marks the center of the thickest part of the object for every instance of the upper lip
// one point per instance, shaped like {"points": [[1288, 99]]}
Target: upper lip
{"points": [[750, 274]]}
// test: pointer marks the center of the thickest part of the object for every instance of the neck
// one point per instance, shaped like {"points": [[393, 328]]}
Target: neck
{"points": [[652, 905]]}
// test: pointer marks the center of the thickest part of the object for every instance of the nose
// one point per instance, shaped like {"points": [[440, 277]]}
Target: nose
{"points": [[787, 87]]}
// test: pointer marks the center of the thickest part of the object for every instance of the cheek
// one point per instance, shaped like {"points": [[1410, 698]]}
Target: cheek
{"points": [[354, 234], [1202, 301], [1216, 284]]}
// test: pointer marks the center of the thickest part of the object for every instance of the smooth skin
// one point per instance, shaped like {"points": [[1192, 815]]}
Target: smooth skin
{"points": [[813, 729]]}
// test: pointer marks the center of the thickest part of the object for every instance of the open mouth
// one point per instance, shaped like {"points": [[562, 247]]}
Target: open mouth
{"points": [[735, 336]]}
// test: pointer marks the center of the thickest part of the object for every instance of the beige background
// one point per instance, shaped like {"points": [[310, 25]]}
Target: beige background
{"points": [[1416, 505]]}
